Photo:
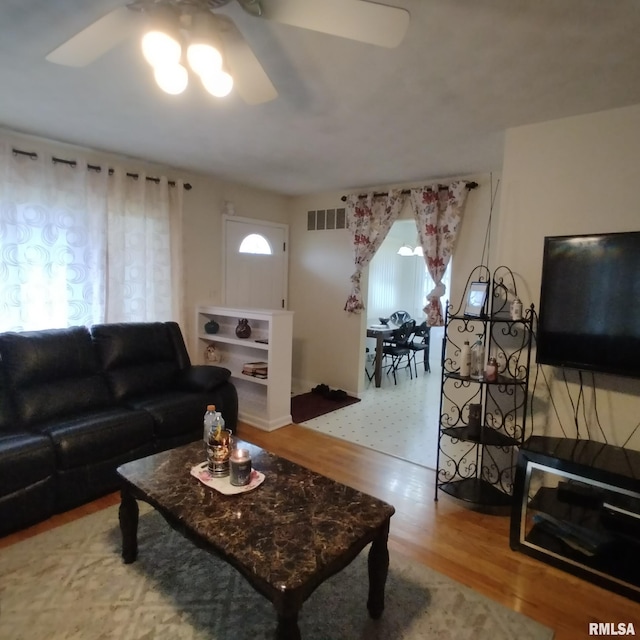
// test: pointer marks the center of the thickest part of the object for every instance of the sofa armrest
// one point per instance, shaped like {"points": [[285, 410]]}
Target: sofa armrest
{"points": [[203, 377]]}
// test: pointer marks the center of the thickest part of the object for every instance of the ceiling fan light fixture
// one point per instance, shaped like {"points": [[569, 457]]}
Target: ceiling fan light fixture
{"points": [[218, 84], [204, 58], [171, 78], [160, 49]]}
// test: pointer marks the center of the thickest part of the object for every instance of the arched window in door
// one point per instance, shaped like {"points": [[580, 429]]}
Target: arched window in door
{"points": [[255, 243]]}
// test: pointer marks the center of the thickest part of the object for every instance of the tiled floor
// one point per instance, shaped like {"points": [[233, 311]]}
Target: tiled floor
{"points": [[400, 420]]}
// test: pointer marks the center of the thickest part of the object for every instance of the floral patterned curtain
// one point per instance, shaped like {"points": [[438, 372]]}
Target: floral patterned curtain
{"points": [[438, 214], [369, 220]]}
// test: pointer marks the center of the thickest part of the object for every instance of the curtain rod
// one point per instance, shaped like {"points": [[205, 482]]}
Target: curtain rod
{"points": [[94, 167], [441, 187]]}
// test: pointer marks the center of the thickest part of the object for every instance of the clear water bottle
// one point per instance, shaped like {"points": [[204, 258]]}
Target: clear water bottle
{"points": [[218, 422], [477, 359], [209, 423], [218, 447]]}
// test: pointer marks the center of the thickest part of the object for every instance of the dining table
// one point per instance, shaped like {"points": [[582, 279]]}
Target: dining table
{"points": [[381, 333]]}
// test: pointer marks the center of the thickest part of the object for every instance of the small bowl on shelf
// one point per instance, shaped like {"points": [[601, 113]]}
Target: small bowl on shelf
{"points": [[384, 321]]}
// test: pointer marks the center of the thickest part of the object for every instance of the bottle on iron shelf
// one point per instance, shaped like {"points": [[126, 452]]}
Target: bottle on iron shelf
{"points": [[491, 370], [516, 309], [477, 359], [465, 360]]}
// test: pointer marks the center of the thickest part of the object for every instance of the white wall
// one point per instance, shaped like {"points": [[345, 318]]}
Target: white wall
{"points": [[570, 176], [325, 338]]}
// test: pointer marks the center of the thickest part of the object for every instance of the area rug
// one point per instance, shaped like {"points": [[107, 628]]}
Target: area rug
{"points": [[70, 583], [311, 405]]}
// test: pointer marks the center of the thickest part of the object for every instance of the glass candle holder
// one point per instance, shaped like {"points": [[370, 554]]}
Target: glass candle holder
{"points": [[240, 467]]}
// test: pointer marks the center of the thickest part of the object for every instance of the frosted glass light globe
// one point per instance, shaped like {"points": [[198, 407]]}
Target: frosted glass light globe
{"points": [[218, 84], [160, 49], [204, 58], [171, 78]]}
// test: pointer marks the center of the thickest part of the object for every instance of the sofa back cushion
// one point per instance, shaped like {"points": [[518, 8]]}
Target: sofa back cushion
{"points": [[138, 358], [52, 373]]}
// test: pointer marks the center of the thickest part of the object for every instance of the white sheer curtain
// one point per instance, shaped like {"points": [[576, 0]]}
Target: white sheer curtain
{"points": [[143, 248], [52, 252], [79, 247]]}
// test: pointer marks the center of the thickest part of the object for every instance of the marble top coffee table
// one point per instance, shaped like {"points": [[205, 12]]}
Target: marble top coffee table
{"points": [[285, 537]]}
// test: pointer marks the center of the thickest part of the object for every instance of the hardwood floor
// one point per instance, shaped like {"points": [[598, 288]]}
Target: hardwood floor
{"points": [[470, 547]]}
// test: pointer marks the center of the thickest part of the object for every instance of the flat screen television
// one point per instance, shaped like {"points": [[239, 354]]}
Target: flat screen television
{"points": [[589, 316]]}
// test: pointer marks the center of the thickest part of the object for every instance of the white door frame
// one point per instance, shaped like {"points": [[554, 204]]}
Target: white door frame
{"points": [[261, 223]]}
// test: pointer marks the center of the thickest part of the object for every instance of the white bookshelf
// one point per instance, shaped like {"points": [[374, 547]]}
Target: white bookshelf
{"points": [[263, 403]]}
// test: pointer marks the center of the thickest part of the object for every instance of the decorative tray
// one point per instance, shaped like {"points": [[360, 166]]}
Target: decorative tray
{"points": [[223, 485]]}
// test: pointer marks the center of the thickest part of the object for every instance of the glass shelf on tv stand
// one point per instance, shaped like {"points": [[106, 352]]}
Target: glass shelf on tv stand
{"points": [[577, 506]]}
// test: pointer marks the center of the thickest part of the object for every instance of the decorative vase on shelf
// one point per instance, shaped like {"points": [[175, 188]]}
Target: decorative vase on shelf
{"points": [[211, 327], [243, 330]]}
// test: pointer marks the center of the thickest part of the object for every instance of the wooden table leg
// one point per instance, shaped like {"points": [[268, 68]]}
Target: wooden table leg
{"points": [[378, 570], [288, 627], [128, 516]]}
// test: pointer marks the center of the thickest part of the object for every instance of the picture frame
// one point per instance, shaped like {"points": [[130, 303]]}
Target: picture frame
{"points": [[476, 299]]}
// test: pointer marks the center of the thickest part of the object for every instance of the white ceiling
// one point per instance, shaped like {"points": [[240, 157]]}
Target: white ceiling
{"points": [[348, 114]]}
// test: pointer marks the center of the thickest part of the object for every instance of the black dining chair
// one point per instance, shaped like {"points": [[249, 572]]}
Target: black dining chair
{"points": [[419, 341], [399, 317], [398, 348]]}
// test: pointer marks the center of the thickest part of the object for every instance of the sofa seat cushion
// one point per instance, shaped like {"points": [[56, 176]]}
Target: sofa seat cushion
{"points": [[174, 413], [25, 459], [97, 436]]}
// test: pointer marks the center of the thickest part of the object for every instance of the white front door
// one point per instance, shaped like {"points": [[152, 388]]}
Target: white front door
{"points": [[255, 275]]}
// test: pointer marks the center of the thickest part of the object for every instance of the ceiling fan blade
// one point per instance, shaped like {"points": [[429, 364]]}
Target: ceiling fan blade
{"points": [[249, 78], [354, 19], [96, 39]]}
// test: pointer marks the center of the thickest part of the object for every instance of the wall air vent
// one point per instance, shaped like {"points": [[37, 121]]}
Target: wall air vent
{"points": [[324, 219]]}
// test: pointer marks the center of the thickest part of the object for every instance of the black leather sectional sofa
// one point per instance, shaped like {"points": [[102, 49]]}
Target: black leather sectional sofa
{"points": [[76, 403]]}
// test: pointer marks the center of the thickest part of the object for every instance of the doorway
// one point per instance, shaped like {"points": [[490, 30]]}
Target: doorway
{"points": [[401, 282], [255, 263]]}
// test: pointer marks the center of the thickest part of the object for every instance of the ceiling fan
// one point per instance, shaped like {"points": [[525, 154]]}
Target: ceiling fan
{"points": [[359, 20]]}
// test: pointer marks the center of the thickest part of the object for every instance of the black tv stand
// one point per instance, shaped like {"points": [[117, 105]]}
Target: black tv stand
{"points": [[577, 506]]}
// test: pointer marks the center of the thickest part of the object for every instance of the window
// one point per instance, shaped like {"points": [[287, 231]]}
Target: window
{"points": [[79, 247], [255, 243]]}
